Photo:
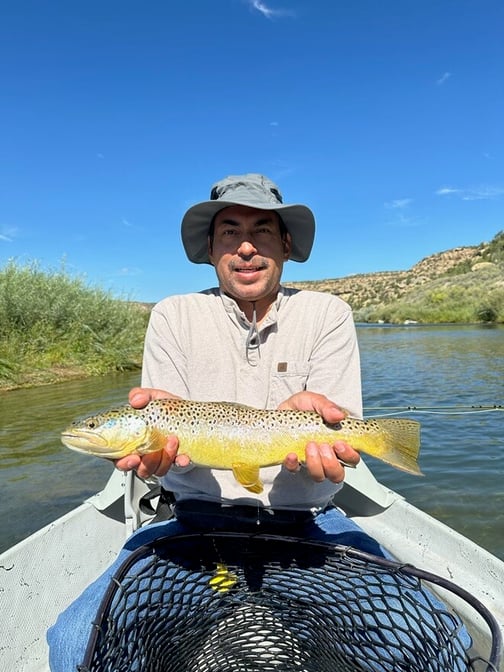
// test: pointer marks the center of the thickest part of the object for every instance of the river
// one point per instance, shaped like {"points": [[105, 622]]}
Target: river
{"points": [[440, 367]]}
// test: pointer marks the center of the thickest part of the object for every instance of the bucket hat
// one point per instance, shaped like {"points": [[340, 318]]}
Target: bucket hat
{"points": [[254, 191]]}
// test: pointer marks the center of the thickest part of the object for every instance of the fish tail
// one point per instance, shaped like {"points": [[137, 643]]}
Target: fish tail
{"points": [[401, 444]]}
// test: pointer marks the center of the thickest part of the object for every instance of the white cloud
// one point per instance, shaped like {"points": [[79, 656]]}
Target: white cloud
{"points": [[444, 78], [128, 271], [481, 193], [131, 226], [399, 203], [8, 233], [266, 11], [444, 191]]}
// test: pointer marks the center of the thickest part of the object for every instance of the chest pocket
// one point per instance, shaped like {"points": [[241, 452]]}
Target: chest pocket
{"points": [[287, 378]]}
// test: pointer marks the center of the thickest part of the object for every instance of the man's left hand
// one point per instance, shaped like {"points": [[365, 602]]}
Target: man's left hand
{"points": [[322, 460]]}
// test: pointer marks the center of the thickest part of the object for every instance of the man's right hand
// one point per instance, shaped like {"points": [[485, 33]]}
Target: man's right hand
{"points": [[158, 463]]}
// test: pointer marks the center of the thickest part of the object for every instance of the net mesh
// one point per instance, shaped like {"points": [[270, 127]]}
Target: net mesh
{"points": [[224, 602]]}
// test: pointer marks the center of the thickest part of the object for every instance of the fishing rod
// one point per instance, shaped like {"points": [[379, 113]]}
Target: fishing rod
{"points": [[440, 410]]}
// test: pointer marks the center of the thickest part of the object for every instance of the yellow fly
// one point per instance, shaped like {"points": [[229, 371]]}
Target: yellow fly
{"points": [[223, 579]]}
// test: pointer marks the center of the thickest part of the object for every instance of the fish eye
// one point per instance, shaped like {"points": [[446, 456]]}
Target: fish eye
{"points": [[91, 424]]}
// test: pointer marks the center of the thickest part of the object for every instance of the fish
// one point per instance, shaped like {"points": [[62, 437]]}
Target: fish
{"points": [[227, 435]]}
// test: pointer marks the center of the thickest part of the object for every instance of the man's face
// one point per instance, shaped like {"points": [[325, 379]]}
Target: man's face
{"points": [[248, 253]]}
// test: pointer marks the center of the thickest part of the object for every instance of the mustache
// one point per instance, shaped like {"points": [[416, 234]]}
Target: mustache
{"points": [[239, 265]]}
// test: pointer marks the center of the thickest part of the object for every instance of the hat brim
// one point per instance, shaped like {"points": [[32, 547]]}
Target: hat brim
{"points": [[298, 219]]}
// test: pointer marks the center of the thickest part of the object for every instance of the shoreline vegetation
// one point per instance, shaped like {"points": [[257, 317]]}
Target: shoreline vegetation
{"points": [[54, 327]]}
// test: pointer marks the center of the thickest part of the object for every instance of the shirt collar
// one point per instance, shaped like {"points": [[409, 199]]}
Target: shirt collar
{"points": [[232, 309]]}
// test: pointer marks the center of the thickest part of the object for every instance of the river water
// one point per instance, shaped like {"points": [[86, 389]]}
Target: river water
{"points": [[411, 366]]}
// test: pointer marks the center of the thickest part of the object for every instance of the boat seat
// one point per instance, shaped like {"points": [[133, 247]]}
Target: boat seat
{"points": [[235, 602]]}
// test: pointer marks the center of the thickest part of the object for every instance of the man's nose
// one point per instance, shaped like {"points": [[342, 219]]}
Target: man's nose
{"points": [[246, 248]]}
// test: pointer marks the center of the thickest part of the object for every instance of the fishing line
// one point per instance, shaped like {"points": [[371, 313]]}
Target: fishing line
{"points": [[436, 410]]}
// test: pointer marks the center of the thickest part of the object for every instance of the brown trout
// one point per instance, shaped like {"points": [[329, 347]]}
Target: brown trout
{"points": [[223, 435]]}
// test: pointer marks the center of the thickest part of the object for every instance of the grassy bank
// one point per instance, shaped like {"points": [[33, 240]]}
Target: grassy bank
{"points": [[54, 327]]}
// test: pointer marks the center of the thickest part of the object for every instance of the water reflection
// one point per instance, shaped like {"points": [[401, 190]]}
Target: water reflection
{"points": [[41, 479]]}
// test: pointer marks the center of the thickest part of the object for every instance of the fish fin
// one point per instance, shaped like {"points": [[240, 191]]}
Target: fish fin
{"points": [[156, 440], [248, 476]]}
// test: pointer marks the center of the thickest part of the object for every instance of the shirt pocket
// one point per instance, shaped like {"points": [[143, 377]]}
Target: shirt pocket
{"points": [[287, 378]]}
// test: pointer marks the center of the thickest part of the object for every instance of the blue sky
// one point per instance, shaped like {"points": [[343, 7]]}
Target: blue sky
{"points": [[384, 117]]}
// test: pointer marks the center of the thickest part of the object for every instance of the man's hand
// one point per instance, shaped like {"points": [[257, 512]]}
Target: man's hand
{"points": [[154, 463], [322, 460]]}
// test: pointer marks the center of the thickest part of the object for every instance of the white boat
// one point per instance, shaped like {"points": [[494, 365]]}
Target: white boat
{"points": [[44, 573]]}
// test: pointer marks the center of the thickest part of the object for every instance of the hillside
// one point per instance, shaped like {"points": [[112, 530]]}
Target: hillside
{"points": [[464, 284]]}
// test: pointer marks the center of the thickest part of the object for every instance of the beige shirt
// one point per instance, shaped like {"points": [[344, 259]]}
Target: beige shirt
{"points": [[196, 347]]}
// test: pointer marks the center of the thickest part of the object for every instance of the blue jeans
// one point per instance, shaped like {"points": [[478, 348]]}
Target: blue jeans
{"points": [[68, 637]]}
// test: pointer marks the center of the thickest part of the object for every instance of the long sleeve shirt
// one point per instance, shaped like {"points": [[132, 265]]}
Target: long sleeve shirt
{"points": [[199, 347]]}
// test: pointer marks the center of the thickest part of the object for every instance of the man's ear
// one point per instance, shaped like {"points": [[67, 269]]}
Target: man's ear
{"points": [[210, 249], [287, 246]]}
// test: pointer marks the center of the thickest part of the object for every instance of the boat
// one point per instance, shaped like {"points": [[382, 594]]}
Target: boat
{"points": [[42, 574]]}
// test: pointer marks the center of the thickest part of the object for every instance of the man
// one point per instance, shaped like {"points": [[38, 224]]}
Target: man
{"points": [[254, 342]]}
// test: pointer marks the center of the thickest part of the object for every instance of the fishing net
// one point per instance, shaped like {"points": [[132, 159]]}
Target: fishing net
{"points": [[229, 602]]}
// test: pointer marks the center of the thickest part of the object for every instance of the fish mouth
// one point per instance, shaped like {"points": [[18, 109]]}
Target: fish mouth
{"points": [[85, 442]]}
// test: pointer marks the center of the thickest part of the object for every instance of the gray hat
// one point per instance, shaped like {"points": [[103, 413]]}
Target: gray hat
{"points": [[255, 191]]}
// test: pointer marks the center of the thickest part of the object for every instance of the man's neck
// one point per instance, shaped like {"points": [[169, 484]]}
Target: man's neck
{"points": [[261, 305]]}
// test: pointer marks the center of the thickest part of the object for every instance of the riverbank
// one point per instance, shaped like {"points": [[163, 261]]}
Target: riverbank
{"points": [[54, 327], [55, 375]]}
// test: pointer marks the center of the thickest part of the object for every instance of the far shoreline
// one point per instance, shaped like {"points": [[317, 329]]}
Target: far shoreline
{"points": [[55, 376], [62, 374]]}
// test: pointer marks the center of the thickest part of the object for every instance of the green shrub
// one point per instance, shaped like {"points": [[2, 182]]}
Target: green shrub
{"points": [[49, 320]]}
